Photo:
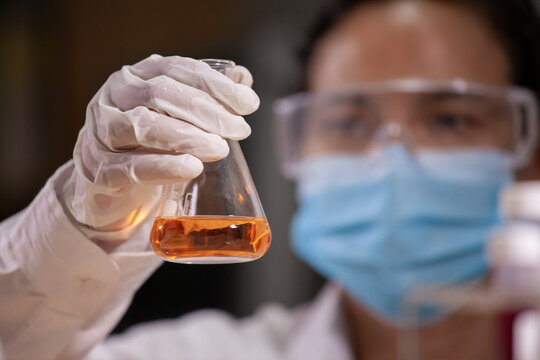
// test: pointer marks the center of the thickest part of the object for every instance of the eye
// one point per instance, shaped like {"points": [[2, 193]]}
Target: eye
{"points": [[356, 123], [349, 124], [452, 122]]}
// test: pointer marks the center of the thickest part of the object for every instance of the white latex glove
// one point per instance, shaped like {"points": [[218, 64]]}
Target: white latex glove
{"points": [[152, 124]]}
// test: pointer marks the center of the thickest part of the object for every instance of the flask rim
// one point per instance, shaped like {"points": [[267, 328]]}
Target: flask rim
{"points": [[219, 64]]}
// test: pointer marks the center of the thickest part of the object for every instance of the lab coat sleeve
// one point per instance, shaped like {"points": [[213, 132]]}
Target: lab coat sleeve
{"points": [[205, 335], [60, 294]]}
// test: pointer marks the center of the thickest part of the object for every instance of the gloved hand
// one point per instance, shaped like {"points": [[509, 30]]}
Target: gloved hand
{"points": [[150, 124]]}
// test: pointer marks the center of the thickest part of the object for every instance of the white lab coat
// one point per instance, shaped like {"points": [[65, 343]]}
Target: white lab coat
{"points": [[60, 295]]}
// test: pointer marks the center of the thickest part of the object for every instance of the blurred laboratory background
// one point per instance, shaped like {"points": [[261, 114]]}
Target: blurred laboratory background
{"points": [[55, 54]]}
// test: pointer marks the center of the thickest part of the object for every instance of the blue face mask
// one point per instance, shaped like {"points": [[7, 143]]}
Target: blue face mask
{"points": [[384, 225]]}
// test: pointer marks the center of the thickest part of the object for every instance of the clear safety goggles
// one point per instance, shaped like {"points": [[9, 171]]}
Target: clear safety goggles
{"points": [[421, 114]]}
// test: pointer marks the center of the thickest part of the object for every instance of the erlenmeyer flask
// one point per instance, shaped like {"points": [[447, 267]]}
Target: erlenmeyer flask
{"points": [[215, 218]]}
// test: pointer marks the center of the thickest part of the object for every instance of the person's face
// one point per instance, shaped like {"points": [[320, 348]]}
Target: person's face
{"points": [[409, 39]]}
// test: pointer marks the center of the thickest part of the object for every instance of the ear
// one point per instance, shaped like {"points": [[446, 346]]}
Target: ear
{"points": [[532, 170]]}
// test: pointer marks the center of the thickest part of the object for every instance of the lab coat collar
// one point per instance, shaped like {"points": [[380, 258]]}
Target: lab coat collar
{"points": [[322, 334]]}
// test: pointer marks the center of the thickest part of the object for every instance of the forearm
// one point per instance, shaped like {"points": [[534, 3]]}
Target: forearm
{"points": [[60, 293]]}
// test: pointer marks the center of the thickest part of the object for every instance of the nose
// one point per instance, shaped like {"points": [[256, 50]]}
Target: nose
{"points": [[393, 132]]}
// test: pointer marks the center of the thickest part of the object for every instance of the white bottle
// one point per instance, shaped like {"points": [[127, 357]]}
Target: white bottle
{"points": [[509, 293], [514, 250]]}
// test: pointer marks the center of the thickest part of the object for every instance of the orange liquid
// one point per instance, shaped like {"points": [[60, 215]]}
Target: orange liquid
{"points": [[177, 238]]}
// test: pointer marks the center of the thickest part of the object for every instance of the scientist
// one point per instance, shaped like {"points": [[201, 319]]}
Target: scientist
{"points": [[416, 115]]}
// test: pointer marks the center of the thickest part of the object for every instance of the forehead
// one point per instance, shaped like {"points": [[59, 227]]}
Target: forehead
{"points": [[408, 38]]}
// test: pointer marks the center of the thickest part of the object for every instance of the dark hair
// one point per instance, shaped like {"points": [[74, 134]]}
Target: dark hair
{"points": [[516, 23]]}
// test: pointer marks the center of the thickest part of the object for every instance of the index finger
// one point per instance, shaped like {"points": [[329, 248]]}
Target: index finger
{"points": [[240, 98]]}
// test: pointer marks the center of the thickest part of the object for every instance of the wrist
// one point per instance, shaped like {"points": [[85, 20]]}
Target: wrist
{"points": [[120, 226]]}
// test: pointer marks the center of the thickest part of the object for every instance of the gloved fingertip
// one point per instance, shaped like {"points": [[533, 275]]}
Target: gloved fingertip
{"points": [[248, 101], [193, 167], [254, 102], [240, 75], [247, 131], [241, 132], [153, 169], [214, 150]]}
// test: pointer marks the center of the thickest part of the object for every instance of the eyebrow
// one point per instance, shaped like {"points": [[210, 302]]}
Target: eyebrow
{"points": [[449, 96], [348, 99]]}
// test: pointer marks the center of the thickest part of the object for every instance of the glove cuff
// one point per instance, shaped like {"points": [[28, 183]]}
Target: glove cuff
{"points": [[117, 229]]}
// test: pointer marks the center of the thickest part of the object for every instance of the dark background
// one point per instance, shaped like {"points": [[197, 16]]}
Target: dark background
{"points": [[54, 55]]}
